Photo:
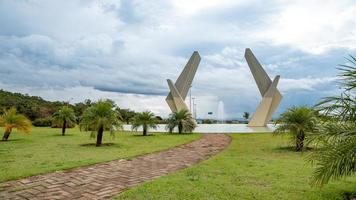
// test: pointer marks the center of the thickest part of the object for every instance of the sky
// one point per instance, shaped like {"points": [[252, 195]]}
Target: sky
{"points": [[125, 50]]}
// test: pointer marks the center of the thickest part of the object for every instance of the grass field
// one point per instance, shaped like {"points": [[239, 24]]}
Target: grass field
{"points": [[45, 150], [255, 166]]}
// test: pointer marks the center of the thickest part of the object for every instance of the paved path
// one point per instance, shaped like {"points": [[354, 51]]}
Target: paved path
{"points": [[105, 180]]}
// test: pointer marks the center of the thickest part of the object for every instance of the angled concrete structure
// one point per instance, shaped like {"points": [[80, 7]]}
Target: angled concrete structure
{"points": [[271, 97], [179, 89]]}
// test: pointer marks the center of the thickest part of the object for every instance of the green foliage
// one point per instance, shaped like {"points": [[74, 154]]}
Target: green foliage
{"points": [[43, 122], [336, 157], [11, 119], [297, 121], [65, 117], [31, 106], [183, 120], [348, 73], [208, 121], [146, 120], [100, 117], [342, 107], [246, 115], [127, 115]]}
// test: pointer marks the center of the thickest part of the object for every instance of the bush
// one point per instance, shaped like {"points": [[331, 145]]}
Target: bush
{"points": [[43, 122]]}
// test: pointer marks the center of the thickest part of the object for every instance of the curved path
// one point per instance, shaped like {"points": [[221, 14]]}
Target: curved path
{"points": [[105, 180]]}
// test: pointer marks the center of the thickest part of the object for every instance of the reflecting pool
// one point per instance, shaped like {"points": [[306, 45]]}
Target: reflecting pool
{"points": [[217, 128]]}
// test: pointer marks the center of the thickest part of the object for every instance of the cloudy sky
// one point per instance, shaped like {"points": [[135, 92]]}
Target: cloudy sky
{"points": [[126, 49]]}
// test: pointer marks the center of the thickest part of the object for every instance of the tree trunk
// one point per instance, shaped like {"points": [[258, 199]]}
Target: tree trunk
{"points": [[180, 127], [6, 135], [144, 131], [64, 127], [300, 141], [99, 136]]}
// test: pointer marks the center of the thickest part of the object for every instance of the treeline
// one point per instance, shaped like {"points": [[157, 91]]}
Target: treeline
{"points": [[40, 111]]}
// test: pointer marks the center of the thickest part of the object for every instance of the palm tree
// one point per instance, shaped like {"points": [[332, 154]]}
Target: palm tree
{"points": [[183, 120], [336, 137], [99, 117], [10, 119], [64, 116], [246, 115], [336, 157], [146, 120], [342, 107], [298, 121]]}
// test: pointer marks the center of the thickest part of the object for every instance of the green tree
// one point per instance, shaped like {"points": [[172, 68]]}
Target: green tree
{"points": [[183, 120], [146, 120], [127, 115], [298, 121], [246, 115], [336, 157], [99, 117], [64, 116], [336, 138], [10, 120]]}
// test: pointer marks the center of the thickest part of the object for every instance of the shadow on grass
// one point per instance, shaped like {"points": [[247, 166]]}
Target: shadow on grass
{"points": [[292, 149], [63, 135], [137, 135], [13, 140], [93, 145], [349, 195]]}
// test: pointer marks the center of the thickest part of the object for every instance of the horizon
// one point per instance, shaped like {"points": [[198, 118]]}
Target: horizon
{"points": [[125, 50]]}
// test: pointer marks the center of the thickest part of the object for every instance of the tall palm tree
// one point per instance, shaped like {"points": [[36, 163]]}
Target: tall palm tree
{"points": [[298, 121], [145, 119], [183, 120], [99, 117], [10, 119], [64, 116], [336, 157]]}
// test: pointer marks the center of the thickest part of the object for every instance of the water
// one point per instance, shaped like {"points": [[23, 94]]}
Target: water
{"points": [[217, 128], [221, 112]]}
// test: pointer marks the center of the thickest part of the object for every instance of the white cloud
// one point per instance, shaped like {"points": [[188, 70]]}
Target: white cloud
{"points": [[313, 26]]}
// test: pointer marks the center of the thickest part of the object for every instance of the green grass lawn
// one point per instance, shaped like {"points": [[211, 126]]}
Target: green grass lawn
{"points": [[255, 166], [45, 150]]}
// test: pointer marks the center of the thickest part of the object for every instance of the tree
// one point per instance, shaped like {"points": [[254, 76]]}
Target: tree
{"points": [[336, 157], [246, 115], [145, 119], [10, 119], [342, 107], [298, 121], [64, 116], [336, 138], [99, 117], [183, 120], [126, 114]]}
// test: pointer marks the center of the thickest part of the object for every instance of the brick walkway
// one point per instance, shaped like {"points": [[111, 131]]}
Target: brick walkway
{"points": [[105, 180]]}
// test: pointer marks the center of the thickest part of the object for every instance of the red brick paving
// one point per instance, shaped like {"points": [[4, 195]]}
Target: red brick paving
{"points": [[105, 180]]}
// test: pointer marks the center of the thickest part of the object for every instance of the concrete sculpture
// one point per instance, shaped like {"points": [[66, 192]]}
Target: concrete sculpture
{"points": [[179, 89], [271, 97]]}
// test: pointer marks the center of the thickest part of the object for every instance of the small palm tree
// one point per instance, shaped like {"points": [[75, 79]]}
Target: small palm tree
{"points": [[10, 119], [337, 156], [99, 117], [64, 116], [145, 119], [298, 121], [246, 115], [183, 120]]}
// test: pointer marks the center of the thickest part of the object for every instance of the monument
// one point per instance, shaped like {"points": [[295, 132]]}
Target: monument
{"points": [[179, 89], [271, 97]]}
